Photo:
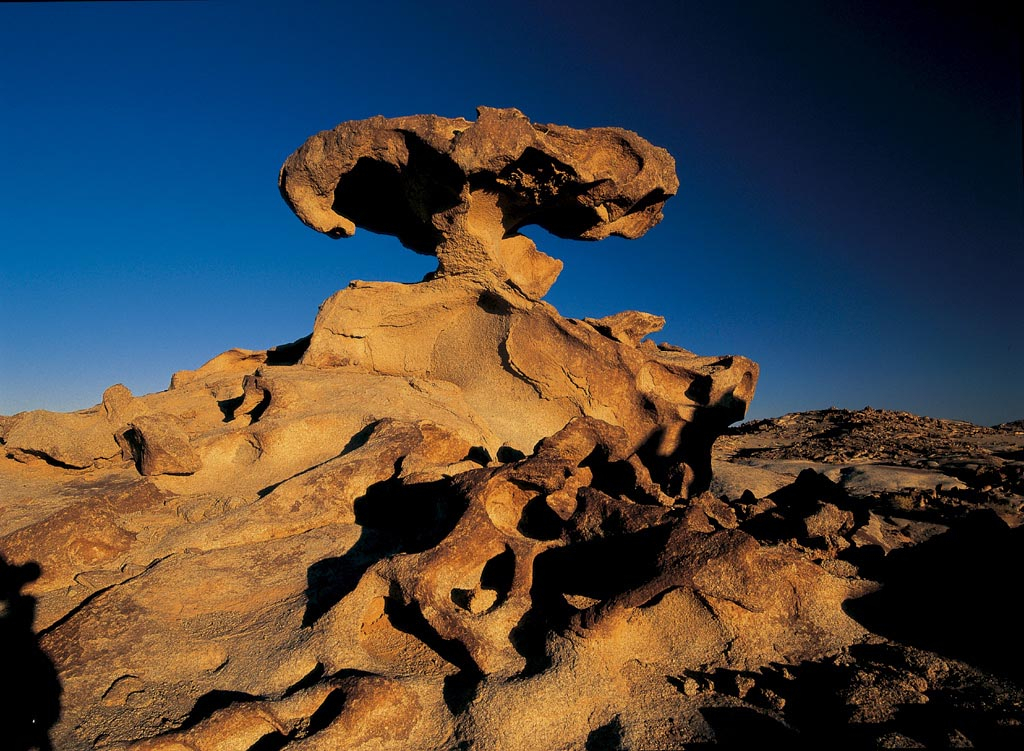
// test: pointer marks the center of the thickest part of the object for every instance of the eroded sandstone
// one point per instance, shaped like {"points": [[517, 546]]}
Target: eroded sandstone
{"points": [[449, 517], [461, 190]]}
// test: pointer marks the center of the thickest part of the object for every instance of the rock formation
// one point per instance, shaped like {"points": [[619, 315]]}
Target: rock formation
{"points": [[449, 517], [461, 190]]}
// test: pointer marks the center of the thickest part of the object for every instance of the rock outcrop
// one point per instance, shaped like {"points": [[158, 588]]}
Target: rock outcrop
{"points": [[449, 517], [461, 190]]}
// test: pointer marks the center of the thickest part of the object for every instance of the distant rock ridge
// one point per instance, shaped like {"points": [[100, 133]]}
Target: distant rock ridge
{"points": [[452, 518]]}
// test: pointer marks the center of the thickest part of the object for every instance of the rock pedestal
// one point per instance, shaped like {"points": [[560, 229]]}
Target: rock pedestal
{"points": [[448, 516]]}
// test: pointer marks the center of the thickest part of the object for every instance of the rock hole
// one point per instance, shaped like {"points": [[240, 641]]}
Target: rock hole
{"points": [[395, 519], [228, 407], [400, 201], [604, 567], [463, 598], [507, 455], [133, 441], [655, 197], [539, 521], [494, 304], [327, 712], [542, 191], [617, 479], [416, 516], [499, 572], [480, 455], [495, 584], [458, 691], [745, 390]]}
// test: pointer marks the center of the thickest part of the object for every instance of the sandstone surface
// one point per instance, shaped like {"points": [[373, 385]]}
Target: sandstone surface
{"points": [[461, 190], [452, 518]]}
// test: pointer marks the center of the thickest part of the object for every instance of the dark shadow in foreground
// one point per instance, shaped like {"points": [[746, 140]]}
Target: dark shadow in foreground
{"points": [[29, 683], [956, 594], [395, 518]]}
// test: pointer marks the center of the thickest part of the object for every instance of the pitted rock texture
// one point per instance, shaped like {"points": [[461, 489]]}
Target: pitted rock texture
{"points": [[404, 589], [461, 190], [524, 371], [452, 518]]}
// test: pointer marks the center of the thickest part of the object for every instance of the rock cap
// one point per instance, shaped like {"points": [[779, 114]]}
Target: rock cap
{"points": [[462, 190]]}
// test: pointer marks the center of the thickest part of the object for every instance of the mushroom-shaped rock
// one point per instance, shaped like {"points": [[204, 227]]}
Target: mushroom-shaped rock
{"points": [[461, 190]]}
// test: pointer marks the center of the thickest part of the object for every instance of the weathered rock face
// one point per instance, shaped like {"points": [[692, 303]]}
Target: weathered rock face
{"points": [[524, 371], [461, 190], [448, 518]]}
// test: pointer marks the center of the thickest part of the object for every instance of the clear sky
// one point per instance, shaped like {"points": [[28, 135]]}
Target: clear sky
{"points": [[850, 213]]}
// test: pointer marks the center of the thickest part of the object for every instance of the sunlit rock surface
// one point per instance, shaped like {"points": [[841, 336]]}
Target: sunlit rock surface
{"points": [[452, 518]]}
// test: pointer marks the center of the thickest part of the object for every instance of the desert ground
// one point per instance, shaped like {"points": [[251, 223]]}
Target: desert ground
{"points": [[451, 518]]}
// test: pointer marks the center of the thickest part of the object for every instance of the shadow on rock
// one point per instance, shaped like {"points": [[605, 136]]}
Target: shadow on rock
{"points": [[740, 727], [395, 518], [954, 594], [31, 687]]}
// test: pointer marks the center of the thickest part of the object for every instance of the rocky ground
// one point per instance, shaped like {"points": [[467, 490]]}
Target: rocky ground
{"points": [[849, 580], [451, 518], [931, 510]]}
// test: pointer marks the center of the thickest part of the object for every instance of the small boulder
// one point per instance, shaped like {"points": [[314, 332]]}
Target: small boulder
{"points": [[160, 445], [828, 520]]}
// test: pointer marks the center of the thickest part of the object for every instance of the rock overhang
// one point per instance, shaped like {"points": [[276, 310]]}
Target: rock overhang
{"points": [[462, 190]]}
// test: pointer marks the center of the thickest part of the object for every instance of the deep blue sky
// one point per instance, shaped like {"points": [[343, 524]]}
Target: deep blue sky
{"points": [[850, 213]]}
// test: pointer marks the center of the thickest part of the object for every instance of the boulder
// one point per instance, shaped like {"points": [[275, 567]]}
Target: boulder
{"points": [[160, 445], [75, 440]]}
